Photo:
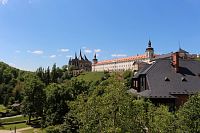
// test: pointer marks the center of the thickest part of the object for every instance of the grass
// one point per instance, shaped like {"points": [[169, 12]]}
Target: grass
{"points": [[35, 130], [18, 126], [2, 108], [91, 76], [20, 118]]}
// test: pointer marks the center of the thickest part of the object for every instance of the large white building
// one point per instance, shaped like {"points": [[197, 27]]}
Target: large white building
{"points": [[132, 63]]}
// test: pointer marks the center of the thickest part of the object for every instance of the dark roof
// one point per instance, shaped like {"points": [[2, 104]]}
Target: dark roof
{"points": [[182, 51], [163, 56], [186, 81], [141, 70]]}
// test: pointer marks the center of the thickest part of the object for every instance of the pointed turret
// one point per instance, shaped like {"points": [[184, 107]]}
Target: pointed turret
{"points": [[95, 60], [149, 44], [149, 50], [70, 61], [86, 58], [76, 56], [80, 56]]}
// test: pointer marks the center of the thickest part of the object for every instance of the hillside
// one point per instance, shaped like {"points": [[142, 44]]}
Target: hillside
{"points": [[91, 76], [10, 84]]}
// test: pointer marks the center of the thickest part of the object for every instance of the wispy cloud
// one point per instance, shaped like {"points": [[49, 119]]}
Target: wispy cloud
{"points": [[64, 50], [17, 51], [97, 50], [88, 51], [3, 2], [118, 55], [68, 56], [12, 64], [38, 52], [53, 56]]}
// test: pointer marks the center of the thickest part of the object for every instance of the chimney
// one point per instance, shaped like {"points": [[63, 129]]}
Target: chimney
{"points": [[175, 59]]}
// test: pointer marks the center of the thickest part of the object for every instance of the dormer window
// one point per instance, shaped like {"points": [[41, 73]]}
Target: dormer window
{"points": [[183, 79], [167, 79]]}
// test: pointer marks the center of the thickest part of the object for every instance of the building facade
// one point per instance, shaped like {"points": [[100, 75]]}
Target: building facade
{"points": [[168, 81], [132, 63], [79, 64]]}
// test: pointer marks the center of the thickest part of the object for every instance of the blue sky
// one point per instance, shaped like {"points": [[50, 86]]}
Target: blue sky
{"points": [[37, 33]]}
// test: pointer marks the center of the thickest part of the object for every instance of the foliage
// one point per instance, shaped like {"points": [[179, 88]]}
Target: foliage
{"points": [[10, 80], [2, 108], [34, 97], [127, 75], [108, 109], [56, 105], [188, 115], [161, 120]]}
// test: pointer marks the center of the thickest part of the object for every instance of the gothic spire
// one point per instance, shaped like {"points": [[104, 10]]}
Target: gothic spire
{"points": [[95, 56], [85, 58], [149, 44], [80, 56], [76, 56]]}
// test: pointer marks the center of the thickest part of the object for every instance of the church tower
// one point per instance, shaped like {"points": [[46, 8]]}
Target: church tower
{"points": [[149, 51], [95, 60]]}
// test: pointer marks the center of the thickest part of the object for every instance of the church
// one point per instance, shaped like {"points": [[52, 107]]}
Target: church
{"points": [[133, 63], [79, 64]]}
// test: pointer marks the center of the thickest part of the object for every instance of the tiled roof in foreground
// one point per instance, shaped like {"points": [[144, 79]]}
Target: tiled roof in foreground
{"points": [[131, 58]]}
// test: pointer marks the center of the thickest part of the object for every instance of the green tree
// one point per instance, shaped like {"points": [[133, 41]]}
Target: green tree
{"points": [[161, 120], [189, 115], [109, 108], [54, 74], [56, 104], [33, 102]]}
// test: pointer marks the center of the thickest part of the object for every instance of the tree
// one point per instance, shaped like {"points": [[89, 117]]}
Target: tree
{"points": [[161, 120], [189, 116], [54, 74], [33, 102], [109, 108], [56, 104]]}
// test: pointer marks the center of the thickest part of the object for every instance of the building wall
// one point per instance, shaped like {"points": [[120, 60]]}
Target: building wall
{"points": [[132, 65]]}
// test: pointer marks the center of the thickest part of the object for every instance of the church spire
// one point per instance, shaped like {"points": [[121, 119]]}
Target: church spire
{"points": [[95, 60], [85, 57], [149, 44], [76, 56], [95, 56], [80, 56]]}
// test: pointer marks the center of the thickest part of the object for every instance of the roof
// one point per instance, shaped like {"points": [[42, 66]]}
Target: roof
{"points": [[182, 51], [163, 56], [142, 70], [186, 81], [131, 58]]}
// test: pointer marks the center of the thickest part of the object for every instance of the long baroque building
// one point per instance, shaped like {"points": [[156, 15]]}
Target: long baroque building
{"points": [[133, 63]]}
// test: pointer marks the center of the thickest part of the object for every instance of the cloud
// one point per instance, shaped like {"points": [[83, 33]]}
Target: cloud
{"points": [[88, 51], [84, 47], [53, 56], [97, 50], [12, 64], [3, 2], [64, 50], [38, 52], [17, 51], [118, 55], [69, 56]]}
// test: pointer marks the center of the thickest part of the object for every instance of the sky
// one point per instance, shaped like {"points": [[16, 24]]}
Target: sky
{"points": [[36, 33]]}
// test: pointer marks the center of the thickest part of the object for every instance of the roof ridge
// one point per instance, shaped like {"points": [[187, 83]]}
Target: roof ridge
{"points": [[150, 67]]}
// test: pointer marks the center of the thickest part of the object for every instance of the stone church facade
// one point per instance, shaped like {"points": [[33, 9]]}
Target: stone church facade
{"points": [[79, 64]]}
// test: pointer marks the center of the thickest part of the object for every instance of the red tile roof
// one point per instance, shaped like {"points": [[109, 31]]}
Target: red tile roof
{"points": [[131, 58]]}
